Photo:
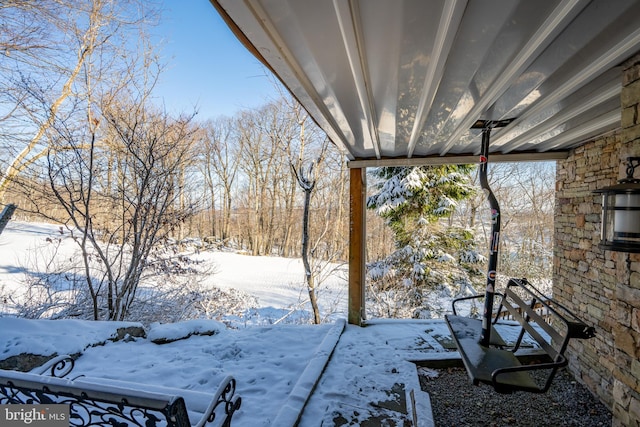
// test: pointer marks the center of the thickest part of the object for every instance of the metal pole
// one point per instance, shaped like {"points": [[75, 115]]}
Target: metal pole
{"points": [[485, 336]]}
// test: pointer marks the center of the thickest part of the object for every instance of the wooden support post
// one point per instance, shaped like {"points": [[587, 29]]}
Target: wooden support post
{"points": [[357, 244]]}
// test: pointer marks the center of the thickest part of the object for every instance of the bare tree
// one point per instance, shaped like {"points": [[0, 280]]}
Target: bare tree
{"points": [[49, 48], [262, 165], [306, 155], [307, 176], [525, 192], [221, 160], [530, 233], [333, 195], [117, 228]]}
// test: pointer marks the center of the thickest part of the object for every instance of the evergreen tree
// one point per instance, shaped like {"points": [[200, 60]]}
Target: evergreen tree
{"points": [[409, 195], [430, 253]]}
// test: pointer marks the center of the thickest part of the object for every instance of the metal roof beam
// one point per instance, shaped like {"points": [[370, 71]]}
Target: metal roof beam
{"points": [[450, 19], [347, 15], [458, 160], [592, 68], [556, 22], [587, 130], [602, 95]]}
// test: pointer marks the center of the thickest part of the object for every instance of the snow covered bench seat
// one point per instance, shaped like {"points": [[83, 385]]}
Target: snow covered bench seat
{"points": [[106, 402]]}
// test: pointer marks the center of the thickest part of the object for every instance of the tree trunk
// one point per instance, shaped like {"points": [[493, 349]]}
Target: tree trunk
{"points": [[305, 255]]}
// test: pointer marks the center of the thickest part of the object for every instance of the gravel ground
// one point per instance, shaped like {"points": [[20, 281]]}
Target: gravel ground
{"points": [[457, 402]]}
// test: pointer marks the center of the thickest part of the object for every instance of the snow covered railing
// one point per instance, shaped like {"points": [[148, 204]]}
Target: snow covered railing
{"points": [[498, 363], [105, 402]]}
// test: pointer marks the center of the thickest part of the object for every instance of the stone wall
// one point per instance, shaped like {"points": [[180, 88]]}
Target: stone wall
{"points": [[603, 287]]}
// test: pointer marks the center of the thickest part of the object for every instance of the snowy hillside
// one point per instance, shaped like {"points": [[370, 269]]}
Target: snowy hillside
{"points": [[283, 371], [265, 289]]}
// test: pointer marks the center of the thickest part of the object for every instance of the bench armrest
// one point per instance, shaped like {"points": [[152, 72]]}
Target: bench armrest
{"points": [[58, 367], [560, 363], [224, 403], [457, 300]]}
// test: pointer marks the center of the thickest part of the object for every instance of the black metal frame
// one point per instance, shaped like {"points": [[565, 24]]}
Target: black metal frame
{"points": [[523, 311], [108, 405], [85, 411], [486, 126], [58, 367], [485, 356]]}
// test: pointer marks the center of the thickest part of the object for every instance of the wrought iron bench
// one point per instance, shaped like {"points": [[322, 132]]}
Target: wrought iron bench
{"points": [[544, 320], [104, 402]]}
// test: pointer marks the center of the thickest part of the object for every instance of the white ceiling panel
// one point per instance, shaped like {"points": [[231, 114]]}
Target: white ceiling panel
{"points": [[402, 79]]}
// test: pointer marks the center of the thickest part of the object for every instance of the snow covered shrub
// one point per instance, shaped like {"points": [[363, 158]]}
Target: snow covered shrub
{"points": [[50, 283], [184, 298], [171, 289], [439, 262]]}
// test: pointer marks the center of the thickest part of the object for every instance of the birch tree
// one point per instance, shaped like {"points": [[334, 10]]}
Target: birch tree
{"points": [[48, 49]]}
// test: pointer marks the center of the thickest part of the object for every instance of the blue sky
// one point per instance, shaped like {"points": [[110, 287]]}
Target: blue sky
{"points": [[208, 68]]}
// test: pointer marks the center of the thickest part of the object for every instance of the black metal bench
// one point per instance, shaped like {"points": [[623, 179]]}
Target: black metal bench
{"points": [[104, 402], [499, 364]]}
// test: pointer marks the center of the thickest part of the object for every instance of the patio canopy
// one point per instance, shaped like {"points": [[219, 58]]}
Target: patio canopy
{"points": [[397, 81]]}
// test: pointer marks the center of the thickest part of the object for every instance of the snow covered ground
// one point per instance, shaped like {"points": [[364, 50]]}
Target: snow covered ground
{"points": [[28, 251], [340, 374], [276, 282], [276, 366]]}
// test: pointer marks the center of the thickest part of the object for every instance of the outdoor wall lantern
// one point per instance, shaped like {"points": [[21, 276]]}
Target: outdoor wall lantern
{"points": [[621, 212]]}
